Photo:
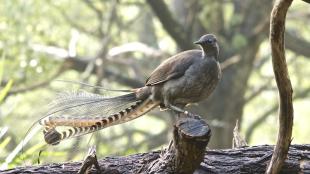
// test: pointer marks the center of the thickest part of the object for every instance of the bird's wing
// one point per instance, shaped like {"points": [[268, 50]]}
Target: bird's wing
{"points": [[173, 67]]}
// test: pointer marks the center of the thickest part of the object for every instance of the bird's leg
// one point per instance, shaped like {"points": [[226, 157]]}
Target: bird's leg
{"points": [[177, 109]]}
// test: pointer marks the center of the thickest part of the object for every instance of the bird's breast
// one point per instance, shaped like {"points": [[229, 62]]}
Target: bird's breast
{"points": [[197, 83]]}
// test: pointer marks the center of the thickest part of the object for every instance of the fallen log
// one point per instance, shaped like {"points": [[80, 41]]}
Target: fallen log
{"points": [[234, 161]]}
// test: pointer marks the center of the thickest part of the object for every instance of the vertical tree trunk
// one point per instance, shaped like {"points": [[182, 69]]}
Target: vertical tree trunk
{"points": [[226, 104]]}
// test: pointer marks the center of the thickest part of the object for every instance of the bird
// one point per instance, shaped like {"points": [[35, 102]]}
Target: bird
{"points": [[187, 77]]}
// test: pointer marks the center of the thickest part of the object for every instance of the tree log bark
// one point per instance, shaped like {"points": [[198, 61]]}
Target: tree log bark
{"points": [[234, 161]]}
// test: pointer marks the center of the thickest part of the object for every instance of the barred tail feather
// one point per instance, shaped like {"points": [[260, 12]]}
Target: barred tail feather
{"points": [[72, 109], [82, 127]]}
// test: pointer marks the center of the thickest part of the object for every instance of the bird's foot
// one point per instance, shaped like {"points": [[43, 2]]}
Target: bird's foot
{"points": [[162, 107]]}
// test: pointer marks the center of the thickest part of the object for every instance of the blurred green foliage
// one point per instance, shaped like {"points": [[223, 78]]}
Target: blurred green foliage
{"points": [[29, 29]]}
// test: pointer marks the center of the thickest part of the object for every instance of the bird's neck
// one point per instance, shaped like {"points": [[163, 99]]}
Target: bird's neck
{"points": [[210, 53]]}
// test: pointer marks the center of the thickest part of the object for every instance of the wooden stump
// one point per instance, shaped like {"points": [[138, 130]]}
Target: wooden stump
{"points": [[185, 153]]}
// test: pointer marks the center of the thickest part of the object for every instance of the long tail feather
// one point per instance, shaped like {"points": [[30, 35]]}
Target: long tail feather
{"points": [[68, 107], [80, 127], [93, 86]]}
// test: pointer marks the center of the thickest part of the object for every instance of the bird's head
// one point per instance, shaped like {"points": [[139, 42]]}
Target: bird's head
{"points": [[206, 40], [208, 43]]}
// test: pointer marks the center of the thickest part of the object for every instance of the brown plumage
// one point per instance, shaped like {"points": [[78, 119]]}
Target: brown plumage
{"points": [[187, 77]]}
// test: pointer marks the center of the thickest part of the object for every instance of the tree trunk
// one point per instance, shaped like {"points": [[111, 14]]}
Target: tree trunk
{"points": [[226, 104]]}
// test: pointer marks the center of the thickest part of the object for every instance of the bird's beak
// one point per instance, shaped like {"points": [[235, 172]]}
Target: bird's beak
{"points": [[197, 42]]}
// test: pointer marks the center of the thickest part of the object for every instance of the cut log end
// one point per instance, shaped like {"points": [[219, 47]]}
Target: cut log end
{"points": [[190, 137], [193, 128]]}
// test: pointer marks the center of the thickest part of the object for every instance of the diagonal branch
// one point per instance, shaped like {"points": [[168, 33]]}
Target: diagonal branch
{"points": [[73, 22], [277, 29], [298, 45], [175, 29], [264, 116], [39, 84], [79, 64], [99, 15]]}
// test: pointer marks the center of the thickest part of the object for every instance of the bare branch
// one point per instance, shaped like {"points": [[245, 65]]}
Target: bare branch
{"points": [[134, 47], [259, 121], [58, 53], [61, 53], [258, 91], [264, 116], [99, 15], [230, 61], [79, 64], [307, 1], [298, 45], [73, 22], [277, 29], [175, 30], [38, 85]]}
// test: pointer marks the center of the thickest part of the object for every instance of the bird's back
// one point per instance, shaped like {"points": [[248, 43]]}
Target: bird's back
{"points": [[173, 67]]}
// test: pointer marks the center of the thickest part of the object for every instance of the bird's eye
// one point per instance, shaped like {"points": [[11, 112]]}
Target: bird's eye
{"points": [[209, 41]]}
